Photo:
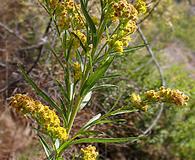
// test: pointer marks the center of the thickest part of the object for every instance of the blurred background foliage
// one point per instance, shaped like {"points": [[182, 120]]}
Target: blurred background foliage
{"points": [[171, 35]]}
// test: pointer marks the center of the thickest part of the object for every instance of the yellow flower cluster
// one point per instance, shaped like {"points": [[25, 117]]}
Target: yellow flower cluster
{"points": [[45, 117], [77, 71], [167, 95], [126, 14], [140, 5], [124, 11], [89, 153], [138, 103], [68, 14]]}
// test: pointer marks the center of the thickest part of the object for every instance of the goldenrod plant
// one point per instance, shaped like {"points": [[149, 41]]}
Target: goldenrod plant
{"points": [[90, 43]]}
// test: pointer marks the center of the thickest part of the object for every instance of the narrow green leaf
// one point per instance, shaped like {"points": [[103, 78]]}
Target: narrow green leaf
{"points": [[96, 76], [104, 86], [132, 49], [117, 112], [65, 113], [86, 99], [105, 140], [91, 121], [89, 22], [104, 121], [63, 91], [38, 90], [64, 146], [107, 121], [45, 147], [57, 58]]}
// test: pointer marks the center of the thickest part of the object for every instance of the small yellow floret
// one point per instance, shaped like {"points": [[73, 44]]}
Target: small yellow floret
{"points": [[89, 153], [140, 5], [135, 99], [118, 46]]}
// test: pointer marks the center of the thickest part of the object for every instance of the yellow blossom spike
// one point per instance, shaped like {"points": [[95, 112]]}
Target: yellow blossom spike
{"points": [[167, 95], [45, 117]]}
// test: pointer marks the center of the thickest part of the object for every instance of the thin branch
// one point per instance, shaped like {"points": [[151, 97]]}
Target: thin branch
{"points": [[14, 33], [149, 49]]}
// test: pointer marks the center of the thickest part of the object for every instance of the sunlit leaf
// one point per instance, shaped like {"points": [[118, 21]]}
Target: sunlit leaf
{"points": [[117, 112], [45, 147], [57, 143], [86, 100], [91, 121]]}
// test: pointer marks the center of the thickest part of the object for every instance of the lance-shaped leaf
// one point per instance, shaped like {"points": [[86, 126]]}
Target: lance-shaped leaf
{"points": [[132, 49], [105, 140], [91, 121], [97, 140], [94, 77], [89, 22], [86, 99], [63, 91], [38, 90], [117, 112], [45, 147]]}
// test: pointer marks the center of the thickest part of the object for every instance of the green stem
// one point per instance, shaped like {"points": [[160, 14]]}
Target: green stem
{"points": [[74, 113]]}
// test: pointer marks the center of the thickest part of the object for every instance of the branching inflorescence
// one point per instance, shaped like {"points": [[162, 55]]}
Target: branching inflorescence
{"points": [[163, 95], [89, 45]]}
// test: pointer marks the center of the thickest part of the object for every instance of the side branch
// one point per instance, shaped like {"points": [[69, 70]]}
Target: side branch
{"points": [[149, 49]]}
